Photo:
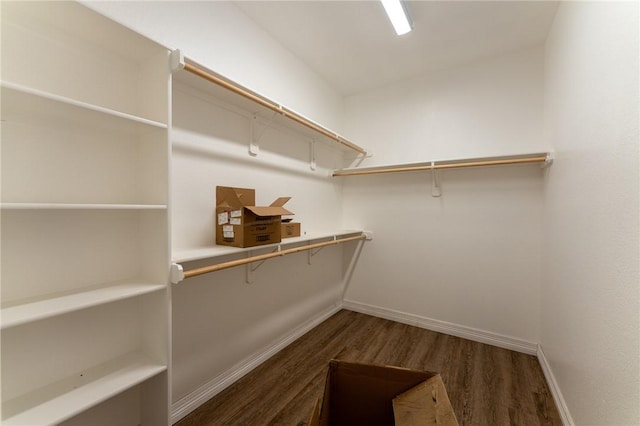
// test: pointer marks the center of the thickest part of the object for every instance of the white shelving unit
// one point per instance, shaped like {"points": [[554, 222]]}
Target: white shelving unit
{"points": [[84, 213]]}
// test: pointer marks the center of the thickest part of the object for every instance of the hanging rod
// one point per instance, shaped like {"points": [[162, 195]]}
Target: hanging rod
{"points": [[544, 158], [182, 274], [178, 62]]}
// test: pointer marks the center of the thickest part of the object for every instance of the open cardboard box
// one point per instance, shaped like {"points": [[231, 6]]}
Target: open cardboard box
{"points": [[290, 229], [372, 395], [240, 223]]}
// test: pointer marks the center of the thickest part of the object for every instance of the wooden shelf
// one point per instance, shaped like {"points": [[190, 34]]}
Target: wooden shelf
{"points": [[70, 206], [543, 158], [26, 311], [62, 400], [190, 255], [19, 102]]}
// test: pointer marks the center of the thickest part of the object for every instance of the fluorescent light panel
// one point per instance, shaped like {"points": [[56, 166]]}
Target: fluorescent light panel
{"points": [[397, 15]]}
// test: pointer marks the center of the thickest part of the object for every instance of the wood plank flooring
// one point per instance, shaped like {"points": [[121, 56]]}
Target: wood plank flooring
{"points": [[487, 385]]}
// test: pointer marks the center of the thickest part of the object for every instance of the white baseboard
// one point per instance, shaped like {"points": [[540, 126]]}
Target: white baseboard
{"points": [[470, 333], [565, 416], [190, 402]]}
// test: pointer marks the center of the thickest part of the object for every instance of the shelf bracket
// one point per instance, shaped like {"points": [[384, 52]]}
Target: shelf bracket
{"points": [[254, 137], [435, 181], [176, 60], [356, 160], [255, 134], [548, 160], [251, 268], [311, 253], [312, 155], [176, 273]]}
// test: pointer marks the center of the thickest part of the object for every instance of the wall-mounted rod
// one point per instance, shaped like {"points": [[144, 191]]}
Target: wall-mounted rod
{"points": [[225, 265], [246, 93], [435, 165]]}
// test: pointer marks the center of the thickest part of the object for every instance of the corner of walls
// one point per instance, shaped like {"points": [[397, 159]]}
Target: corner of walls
{"points": [[591, 275], [214, 386], [558, 398], [471, 257]]}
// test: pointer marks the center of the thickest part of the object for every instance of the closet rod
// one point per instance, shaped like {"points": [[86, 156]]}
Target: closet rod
{"points": [[212, 268], [239, 90], [535, 158]]}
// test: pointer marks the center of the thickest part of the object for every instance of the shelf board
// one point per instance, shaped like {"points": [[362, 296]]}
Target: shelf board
{"points": [[543, 158], [26, 311], [72, 206], [62, 400], [19, 101], [218, 94], [189, 255]]}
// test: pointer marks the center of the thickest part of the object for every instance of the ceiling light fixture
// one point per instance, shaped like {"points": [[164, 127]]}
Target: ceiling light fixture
{"points": [[398, 15]]}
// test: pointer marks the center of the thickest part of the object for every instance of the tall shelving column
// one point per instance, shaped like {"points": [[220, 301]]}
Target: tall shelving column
{"points": [[84, 216]]}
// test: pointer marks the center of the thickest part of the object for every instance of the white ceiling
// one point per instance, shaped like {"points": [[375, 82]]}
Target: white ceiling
{"points": [[352, 45]]}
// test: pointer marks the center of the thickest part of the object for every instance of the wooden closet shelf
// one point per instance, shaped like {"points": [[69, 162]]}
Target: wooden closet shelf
{"points": [[543, 158], [179, 63], [178, 273]]}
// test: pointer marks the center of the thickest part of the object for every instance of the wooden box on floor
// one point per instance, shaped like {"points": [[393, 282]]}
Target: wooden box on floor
{"points": [[364, 394]]}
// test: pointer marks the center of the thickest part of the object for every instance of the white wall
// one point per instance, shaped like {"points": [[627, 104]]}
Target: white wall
{"points": [[219, 321], [590, 296], [218, 35], [489, 108], [472, 256]]}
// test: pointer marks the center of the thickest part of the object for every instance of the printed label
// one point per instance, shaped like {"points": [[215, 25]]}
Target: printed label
{"points": [[227, 228], [223, 218], [228, 235], [236, 213], [236, 221]]}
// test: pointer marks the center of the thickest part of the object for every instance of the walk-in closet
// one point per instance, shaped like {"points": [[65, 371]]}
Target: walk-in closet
{"points": [[212, 209]]}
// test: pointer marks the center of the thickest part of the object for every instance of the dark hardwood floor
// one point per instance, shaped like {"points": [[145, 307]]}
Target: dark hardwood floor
{"points": [[487, 385]]}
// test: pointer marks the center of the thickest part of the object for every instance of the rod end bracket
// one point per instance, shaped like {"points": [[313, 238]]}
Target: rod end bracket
{"points": [[176, 273], [176, 60]]}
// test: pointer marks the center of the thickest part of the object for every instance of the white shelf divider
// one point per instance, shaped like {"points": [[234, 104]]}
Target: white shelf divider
{"points": [[45, 103], [62, 400], [34, 310], [70, 206]]}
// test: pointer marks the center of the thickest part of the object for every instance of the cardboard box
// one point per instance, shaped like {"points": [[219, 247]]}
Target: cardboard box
{"points": [[290, 229], [363, 394], [240, 223]]}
